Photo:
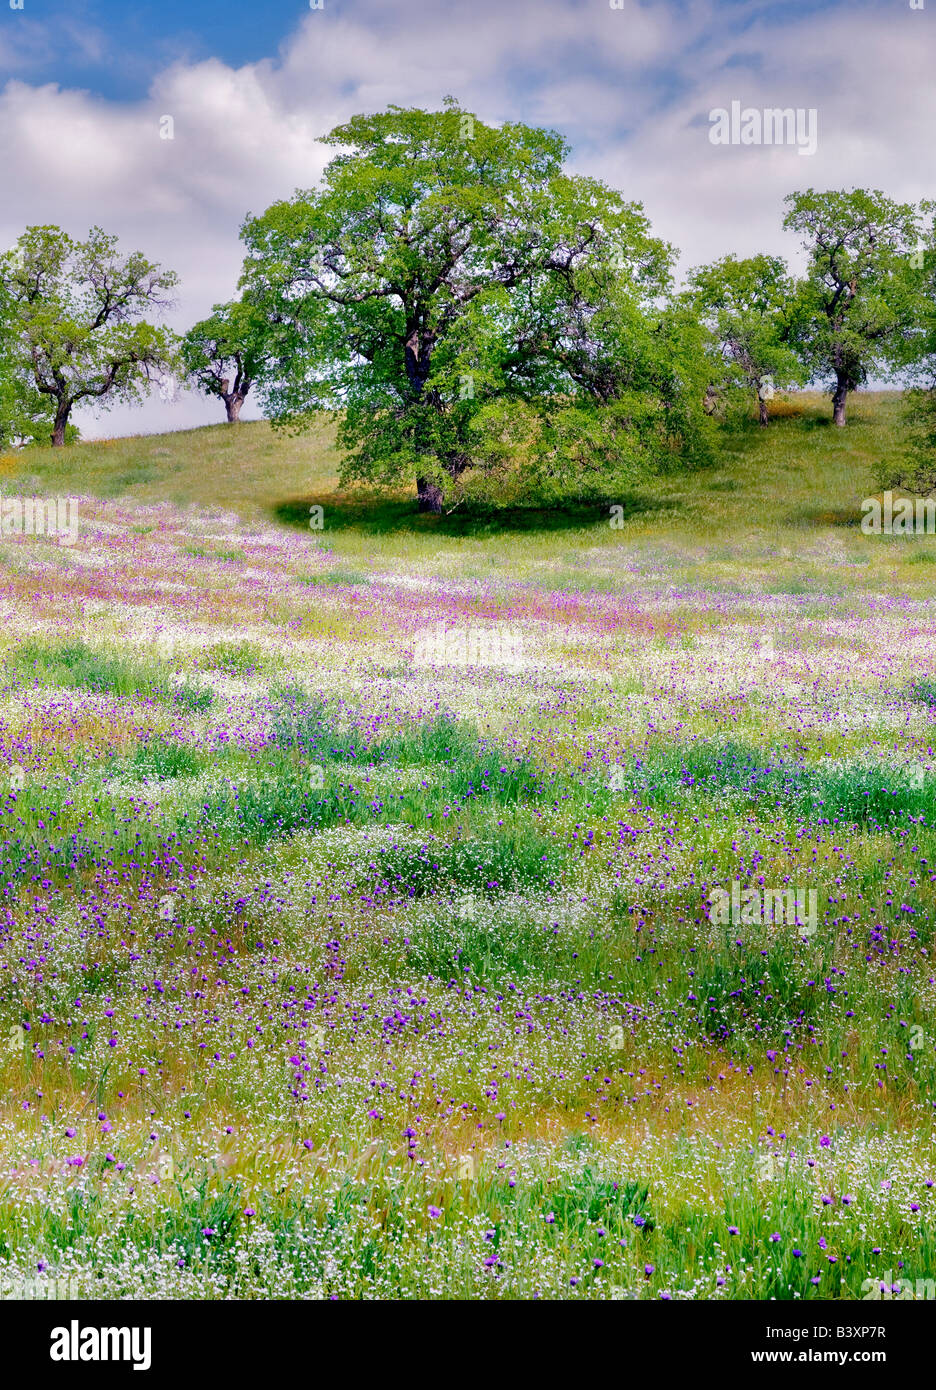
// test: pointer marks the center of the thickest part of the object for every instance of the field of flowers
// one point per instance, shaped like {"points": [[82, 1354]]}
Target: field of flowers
{"points": [[356, 936]]}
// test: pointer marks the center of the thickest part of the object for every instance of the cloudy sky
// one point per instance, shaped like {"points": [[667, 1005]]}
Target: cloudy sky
{"points": [[251, 84]]}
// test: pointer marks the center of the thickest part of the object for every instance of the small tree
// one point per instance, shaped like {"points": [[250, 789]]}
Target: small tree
{"points": [[224, 354], [856, 306], [76, 330], [744, 306]]}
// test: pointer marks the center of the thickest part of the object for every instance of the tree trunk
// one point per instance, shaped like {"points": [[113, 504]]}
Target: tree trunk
{"points": [[232, 405], [417, 357], [62, 413], [838, 399], [430, 496], [762, 416]]}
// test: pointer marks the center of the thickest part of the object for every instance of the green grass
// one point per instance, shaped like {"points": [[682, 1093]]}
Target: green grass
{"points": [[335, 578], [857, 794], [798, 477], [81, 667], [232, 658]]}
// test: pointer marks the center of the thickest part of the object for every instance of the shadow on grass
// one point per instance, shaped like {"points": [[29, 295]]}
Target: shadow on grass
{"points": [[849, 517], [382, 516]]}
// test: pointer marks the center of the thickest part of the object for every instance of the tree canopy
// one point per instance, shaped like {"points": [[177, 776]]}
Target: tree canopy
{"points": [[74, 320], [856, 306], [745, 307], [222, 355], [447, 269]]}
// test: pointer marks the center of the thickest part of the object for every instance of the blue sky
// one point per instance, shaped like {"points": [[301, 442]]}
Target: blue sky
{"points": [[115, 49], [250, 86]]}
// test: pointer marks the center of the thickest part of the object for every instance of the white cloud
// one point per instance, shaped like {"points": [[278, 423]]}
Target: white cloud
{"points": [[631, 89]]}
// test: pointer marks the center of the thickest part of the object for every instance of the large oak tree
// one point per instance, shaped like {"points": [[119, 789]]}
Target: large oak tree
{"points": [[444, 267]]}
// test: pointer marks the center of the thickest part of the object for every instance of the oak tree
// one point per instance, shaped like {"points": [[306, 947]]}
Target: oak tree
{"points": [[443, 269], [75, 320]]}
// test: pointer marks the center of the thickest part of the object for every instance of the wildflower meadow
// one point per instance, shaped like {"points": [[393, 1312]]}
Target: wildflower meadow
{"points": [[407, 909]]}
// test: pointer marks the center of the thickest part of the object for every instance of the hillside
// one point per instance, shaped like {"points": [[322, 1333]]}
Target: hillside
{"points": [[782, 502]]}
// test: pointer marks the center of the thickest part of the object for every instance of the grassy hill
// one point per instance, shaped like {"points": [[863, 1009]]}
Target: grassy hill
{"points": [[780, 502], [799, 471]]}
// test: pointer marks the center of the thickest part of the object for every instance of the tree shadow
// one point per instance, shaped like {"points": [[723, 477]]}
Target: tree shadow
{"points": [[818, 515], [383, 516]]}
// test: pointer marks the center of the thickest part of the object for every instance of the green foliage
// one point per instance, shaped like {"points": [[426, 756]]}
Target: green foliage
{"points": [[925, 692], [523, 861], [634, 410], [239, 659], [335, 579], [162, 761], [745, 307], [81, 667], [449, 274], [851, 793], [222, 355], [916, 470], [25, 414], [589, 1199], [859, 302], [74, 326]]}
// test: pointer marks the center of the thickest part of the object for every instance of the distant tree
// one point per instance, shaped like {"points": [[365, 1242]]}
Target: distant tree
{"points": [[223, 354], [75, 321], [745, 307], [441, 271], [856, 307]]}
